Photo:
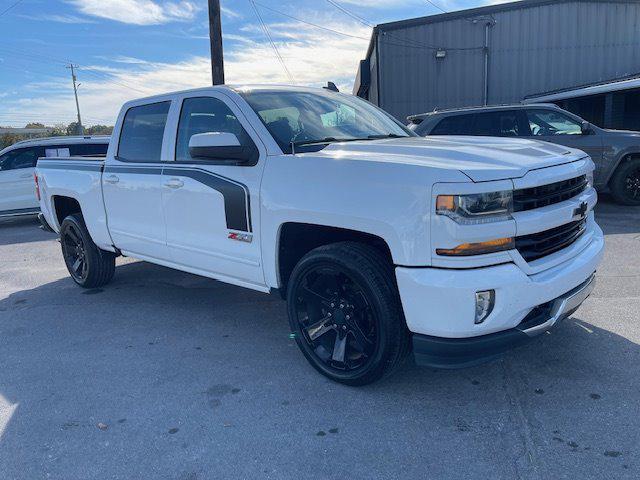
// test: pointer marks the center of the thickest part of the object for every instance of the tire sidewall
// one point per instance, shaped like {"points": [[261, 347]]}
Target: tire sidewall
{"points": [[381, 312], [90, 250], [618, 185]]}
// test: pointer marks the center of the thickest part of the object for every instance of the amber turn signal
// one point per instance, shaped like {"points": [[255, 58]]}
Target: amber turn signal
{"points": [[478, 248]]}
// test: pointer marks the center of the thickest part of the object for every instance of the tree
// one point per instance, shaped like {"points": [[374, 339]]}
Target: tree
{"points": [[73, 128], [35, 125], [99, 130]]}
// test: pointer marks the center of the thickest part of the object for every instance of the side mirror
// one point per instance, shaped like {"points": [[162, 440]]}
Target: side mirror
{"points": [[586, 128], [218, 146]]}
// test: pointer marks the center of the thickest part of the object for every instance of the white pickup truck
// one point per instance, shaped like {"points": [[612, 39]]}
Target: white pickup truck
{"points": [[382, 242]]}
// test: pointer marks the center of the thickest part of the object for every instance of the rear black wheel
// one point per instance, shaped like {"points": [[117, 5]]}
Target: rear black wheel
{"points": [[345, 313], [89, 266], [625, 183]]}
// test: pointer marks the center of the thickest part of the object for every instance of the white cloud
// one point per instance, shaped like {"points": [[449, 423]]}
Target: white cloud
{"points": [[313, 56], [138, 12], [70, 19]]}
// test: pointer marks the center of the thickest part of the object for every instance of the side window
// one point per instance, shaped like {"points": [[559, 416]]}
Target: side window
{"points": [[498, 124], [20, 158], [456, 125], [142, 132], [204, 115], [89, 149], [550, 122]]}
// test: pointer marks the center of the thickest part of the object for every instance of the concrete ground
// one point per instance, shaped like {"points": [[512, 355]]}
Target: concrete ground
{"points": [[165, 375]]}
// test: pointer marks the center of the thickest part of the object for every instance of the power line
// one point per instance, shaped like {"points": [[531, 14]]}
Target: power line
{"points": [[14, 4], [309, 23], [273, 45], [433, 4], [403, 41], [331, 30]]}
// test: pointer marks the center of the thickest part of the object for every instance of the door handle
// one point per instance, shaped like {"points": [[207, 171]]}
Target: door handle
{"points": [[174, 183], [112, 179], [27, 175]]}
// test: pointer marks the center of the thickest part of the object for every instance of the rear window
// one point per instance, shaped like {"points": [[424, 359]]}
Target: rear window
{"points": [[142, 132], [456, 125], [89, 149], [77, 150]]}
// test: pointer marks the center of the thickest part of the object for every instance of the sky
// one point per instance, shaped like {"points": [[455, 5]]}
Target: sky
{"points": [[126, 49]]}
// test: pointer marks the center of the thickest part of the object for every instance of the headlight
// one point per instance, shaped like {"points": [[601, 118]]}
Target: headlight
{"points": [[476, 208], [589, 176]]}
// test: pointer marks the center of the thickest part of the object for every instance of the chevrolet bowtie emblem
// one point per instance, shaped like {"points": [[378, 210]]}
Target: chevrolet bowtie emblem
{"points": [[581, 211]]}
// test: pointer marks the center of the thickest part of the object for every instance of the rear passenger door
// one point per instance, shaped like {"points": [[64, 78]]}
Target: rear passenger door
{"points": [[17, 192], [132, 183], [212, 207]]}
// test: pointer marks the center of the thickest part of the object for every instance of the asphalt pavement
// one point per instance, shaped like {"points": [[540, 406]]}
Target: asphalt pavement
{"points": [[166, 375]]}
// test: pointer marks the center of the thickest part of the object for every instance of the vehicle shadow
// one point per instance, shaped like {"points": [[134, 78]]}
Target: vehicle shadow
{"points": [[23, 229], [614, 218], [160, 351]]}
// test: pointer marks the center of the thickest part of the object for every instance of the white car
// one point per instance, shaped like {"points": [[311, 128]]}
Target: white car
{"points": [[381, 241], [17, 163]]}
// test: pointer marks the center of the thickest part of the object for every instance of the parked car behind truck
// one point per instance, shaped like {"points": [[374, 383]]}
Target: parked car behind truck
{"points": [[616, 153], [380, 241], [17, 163]]}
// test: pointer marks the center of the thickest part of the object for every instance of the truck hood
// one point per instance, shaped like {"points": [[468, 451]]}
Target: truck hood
{"points": [[480, 158]]}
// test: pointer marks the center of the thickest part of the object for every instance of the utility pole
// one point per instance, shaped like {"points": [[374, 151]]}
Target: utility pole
{"points": [[215, 39], [75, 92]]}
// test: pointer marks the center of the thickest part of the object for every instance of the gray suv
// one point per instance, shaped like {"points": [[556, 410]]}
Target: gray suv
{"points": [[616, 153]]}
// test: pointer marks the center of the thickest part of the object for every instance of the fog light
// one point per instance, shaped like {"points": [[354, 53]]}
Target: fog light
{"points": [[484, 304]]}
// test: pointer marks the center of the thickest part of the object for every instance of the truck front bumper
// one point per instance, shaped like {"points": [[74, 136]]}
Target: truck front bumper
{"points": [[439, 305], [465, 352]]}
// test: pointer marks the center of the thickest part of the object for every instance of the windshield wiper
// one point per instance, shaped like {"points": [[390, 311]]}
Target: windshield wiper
{"points": [[334, 139], [386, 135], [322, 140]]}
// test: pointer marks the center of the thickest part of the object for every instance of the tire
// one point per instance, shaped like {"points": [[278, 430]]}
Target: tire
{"points": [[625, 183], [89, 266], [345, 312]]}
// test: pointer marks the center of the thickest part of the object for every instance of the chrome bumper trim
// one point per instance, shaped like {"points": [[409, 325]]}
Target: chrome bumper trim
{"points": [[564, 306]]}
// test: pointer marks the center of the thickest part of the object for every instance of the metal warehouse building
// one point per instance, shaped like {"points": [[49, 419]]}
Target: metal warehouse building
{"points": [[583, 55]]}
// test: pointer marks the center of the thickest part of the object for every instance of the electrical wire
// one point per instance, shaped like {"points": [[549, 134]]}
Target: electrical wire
{"points": [[403, 41], [273, 45], [14, 4], [435, 5]]}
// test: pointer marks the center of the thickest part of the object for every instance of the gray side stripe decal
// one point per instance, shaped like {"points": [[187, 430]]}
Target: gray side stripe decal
{"points": [[237, 208], [236, 196], [69, 166]]}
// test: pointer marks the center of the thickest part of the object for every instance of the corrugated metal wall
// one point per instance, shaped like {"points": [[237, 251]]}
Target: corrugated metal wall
{"points": [[532, 50]]}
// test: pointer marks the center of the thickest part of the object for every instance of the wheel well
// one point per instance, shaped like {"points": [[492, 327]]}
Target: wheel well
{"points": [[297, 239], [623, 160], [65, 206]]}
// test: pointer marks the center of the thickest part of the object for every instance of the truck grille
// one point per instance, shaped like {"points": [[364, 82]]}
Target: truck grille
{"points": [[537, 245], [536, 197]]}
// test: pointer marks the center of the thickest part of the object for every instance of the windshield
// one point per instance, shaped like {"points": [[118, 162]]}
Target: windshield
{"points": [[311, 120]]}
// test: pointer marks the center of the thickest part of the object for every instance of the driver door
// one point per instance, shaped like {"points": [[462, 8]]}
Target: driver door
{"points": [[212, 207]]}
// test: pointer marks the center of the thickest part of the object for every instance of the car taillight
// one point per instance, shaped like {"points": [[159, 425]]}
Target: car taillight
{"points": [[35, 178]]}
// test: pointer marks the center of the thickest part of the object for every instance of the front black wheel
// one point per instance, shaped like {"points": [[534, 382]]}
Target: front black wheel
{"points": [[625, 183], [89, 266], [345, 313]]}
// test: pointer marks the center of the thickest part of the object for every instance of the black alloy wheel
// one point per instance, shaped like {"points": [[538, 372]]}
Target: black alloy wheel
{"points": [[632, 185], [625, 183], [345, 313], [336, 319], [74, 253], [88, 265]]}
